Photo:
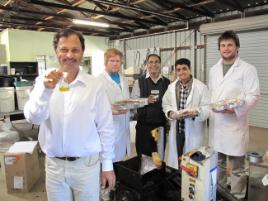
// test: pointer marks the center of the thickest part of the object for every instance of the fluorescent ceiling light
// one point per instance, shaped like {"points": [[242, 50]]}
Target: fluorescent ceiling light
{"points": [[91, 23]]}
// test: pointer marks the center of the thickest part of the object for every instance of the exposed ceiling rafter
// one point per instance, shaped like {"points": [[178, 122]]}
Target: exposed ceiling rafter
{"points": [[61, 16], [43, 3], [189, 8], [231, 4], [127, 18], [137, 9], [57, 27]]}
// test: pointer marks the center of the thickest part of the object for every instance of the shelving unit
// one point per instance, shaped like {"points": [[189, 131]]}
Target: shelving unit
{"points": [[15, 115], [26, 70]]}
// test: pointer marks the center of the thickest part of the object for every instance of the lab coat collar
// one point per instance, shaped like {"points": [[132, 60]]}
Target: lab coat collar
{"points": [[106, 74], [108, 77], [235, 65], [189, 83]]}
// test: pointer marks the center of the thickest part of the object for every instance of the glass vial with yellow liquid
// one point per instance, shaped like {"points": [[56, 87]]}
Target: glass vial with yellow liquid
{"points": [[64, 86]]}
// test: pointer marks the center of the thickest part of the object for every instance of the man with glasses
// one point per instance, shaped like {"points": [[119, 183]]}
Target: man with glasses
{"points": [[186, 132], [152, 86], [76, 125]]}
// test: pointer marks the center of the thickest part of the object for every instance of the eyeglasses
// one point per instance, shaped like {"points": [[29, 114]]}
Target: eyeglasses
{"points": [[153, 62]]}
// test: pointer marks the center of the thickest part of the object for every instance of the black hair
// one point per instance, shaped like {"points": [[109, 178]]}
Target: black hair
{"points": [[229, 35], [184, 61], [66, 33], [153, 55]]}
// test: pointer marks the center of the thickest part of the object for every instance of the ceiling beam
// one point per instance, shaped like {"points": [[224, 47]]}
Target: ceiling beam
{"points": [[61, 16], [158, 20], [169, 8], [143, 25], [231, 4], [43, 3], [137, 9], [238, 5], [188, 8], [206, 10], [103, 8], [56, 27], [59, 23], [73, 4]]}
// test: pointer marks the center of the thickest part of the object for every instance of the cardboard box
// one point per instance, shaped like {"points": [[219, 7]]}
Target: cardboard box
{"points": [[21, 166]]}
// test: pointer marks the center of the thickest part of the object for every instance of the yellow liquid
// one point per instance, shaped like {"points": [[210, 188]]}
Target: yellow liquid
{"points": [[64, 88]]}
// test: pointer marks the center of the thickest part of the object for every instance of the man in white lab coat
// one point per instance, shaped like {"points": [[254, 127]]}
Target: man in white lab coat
{"points": [[116, 88], [188, 132], [230, 78]]}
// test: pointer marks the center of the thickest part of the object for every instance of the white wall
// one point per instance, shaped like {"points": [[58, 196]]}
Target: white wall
{"points": [[2, 54], [24, 45], [95, 47], [5, 46]]}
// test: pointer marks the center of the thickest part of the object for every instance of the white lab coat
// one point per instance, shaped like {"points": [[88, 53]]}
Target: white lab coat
{"points": [[121, 122], [194, 129], [229, 132]]}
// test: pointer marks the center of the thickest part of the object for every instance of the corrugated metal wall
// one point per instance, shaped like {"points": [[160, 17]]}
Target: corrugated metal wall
{"points": [[173, 45], [194, 46], [254, 50]]}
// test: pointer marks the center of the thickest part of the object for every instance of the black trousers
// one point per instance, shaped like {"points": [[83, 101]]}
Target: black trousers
{"points": [[180, 140], [145, 143]]}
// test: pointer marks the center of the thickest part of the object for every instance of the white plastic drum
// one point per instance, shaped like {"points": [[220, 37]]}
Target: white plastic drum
{"points": [[23, 95], [7, 100]]}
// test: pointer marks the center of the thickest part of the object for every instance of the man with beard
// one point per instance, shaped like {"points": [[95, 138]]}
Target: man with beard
{"points": [[76, 125], [232, 78]]}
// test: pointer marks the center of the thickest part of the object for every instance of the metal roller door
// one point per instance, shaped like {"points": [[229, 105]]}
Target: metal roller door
{"points": [[254, 50]]}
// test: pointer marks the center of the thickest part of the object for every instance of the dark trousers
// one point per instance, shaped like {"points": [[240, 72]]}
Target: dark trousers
{"points": [[145, 143], [180, 140]]}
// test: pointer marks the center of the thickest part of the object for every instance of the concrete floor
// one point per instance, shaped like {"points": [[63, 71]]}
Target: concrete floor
{"points": [[258, 142]]}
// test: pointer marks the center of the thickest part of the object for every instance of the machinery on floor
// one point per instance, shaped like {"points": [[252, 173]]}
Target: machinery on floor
{"points": [[199, 175]]}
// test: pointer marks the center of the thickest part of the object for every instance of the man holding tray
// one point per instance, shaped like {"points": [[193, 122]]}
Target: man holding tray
{"points": [[116, 88], [232, 78], [187, 120]]}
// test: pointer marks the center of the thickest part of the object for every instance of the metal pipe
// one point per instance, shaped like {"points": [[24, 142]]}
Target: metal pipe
{"points": [[158, 33]]}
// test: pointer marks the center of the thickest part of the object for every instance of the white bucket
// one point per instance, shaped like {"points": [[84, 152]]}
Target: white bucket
{"points": [[7, 100], [23, 95]]}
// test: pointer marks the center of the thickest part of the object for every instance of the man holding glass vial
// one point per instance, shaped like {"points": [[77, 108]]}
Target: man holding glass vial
{"points": [[76, 126], [152, 86]]}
